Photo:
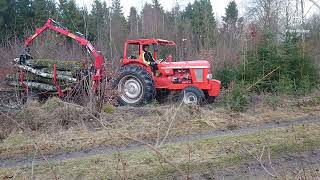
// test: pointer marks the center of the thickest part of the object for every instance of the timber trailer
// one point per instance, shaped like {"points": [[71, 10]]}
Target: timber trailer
{"points": [[137, 84]]}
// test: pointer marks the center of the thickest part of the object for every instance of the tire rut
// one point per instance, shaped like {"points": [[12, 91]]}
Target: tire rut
{"points": [[27, 161]]}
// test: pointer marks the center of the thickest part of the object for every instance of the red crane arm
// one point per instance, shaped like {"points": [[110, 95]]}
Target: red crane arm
{"points": [[51, 24]]}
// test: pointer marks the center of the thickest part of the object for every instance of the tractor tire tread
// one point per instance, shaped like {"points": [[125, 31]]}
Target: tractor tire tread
{"points": [[198, 92], [147, 81]]}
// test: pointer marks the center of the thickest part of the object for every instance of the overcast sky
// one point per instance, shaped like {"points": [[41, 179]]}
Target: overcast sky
{"points": [[218, 5]]}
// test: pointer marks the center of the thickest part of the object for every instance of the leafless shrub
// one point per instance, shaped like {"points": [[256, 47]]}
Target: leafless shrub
{"points": [[258, 155]]}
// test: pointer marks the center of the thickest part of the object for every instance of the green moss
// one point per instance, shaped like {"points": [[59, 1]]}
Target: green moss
{"points": [[108, 109]]}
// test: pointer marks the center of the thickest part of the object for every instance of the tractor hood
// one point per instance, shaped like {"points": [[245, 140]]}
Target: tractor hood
{"points": [[200, 64]]}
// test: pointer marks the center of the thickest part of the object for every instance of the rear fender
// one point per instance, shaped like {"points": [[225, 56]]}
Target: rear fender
{"points": [[138, 63]]}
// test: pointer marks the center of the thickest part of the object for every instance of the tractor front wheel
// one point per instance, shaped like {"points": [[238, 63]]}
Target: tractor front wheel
{"points": [[192, 96], [135, 86]]}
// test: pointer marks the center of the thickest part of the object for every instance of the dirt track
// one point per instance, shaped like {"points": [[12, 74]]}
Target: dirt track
{"points": [[26, 161], [292, 165]]}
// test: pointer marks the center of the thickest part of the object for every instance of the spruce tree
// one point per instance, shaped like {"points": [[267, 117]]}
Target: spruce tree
{"points": [[96, 18], [132, 23], [70, 14], [118, 27], [41, 11], [24, 16], [7, 18], [231, 16], [4, 6], [203, 23]]}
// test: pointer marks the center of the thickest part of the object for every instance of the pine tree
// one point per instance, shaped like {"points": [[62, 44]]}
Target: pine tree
{"points": [[70, 14], [96, 18], [118, 27], [43, 9], [187, 13], [133, 23], [24, 16], [98, 26], [7, 18], [231, 16], [203, 23], [117, 8], [156, 5], [4, 6]]}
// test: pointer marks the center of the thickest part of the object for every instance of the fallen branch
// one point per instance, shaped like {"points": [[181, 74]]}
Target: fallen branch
{"points": [[262, 78], [259, 159], [169, 128]]}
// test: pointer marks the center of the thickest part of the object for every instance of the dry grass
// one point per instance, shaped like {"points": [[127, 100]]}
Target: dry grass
{"points": [[58, 126], [205, 156]]}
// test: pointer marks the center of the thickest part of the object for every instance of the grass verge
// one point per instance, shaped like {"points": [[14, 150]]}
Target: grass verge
{"points": [[196, 156]]}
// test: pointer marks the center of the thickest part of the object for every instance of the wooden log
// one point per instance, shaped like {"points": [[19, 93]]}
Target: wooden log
{"points": [[49, 63], [45, 75], [34, 85], [34, 78], [63, 73]]}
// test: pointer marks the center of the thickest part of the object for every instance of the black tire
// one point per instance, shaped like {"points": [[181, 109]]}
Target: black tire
{"points": [[139, 80], [192, 96], [209, 99]]}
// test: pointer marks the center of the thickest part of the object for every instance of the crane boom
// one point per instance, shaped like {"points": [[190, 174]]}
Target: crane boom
{"points": [[55, 26]]}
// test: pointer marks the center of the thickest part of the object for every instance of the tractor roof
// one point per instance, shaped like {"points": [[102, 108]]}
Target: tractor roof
{"points": [[152, 41]]}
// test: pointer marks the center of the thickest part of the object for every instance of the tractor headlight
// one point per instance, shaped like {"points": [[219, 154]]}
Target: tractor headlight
{"points": [[209, 76]]}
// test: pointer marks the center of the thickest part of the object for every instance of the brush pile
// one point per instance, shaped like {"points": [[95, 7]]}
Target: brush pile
{"points": [[39, 74]]}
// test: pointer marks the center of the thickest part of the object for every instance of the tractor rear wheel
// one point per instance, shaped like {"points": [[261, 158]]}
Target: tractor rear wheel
{"points": [[135, 86], [192, 96]]}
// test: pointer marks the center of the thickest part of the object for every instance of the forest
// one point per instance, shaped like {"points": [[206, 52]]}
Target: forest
{"points": [[264, 124], [262, 50]]}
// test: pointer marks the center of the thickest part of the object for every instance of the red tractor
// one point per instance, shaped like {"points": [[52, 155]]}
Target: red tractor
{"points": [[137, 84]]}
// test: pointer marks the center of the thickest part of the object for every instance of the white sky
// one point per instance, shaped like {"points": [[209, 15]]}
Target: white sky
{"points": [[218, 5]]}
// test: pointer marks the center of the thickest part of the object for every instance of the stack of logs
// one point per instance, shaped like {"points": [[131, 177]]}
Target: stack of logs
{"points": [[39, 74]]}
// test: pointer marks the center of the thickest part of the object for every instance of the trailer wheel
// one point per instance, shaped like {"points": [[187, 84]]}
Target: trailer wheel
{"points": [[135, 86], [192, 96]]}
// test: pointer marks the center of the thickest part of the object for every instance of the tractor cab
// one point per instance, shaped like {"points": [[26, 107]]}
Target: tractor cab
{"points": [[133, 50]]}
